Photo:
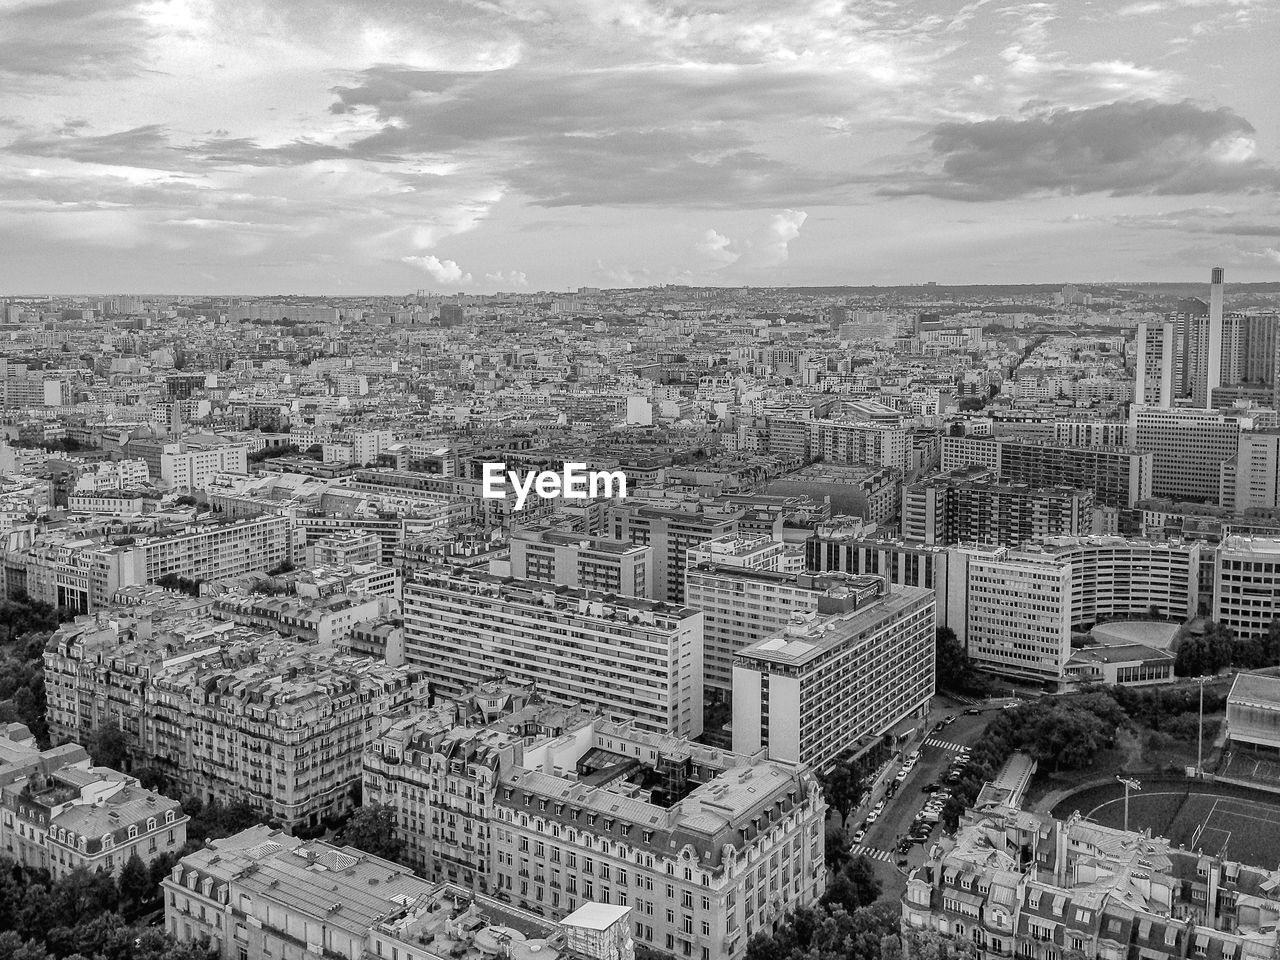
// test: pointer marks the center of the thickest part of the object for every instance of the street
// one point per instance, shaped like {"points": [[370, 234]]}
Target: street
{"points": [[936, 753]]}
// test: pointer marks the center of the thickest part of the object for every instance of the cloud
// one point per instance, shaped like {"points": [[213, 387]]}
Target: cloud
{"points": [[623, 275], [768, 247], [715, 247], [73, 39], [783, 228], [145, 146], [1214, 220], [512, 278], [1123, 148], [627, 135], [445, 272]]}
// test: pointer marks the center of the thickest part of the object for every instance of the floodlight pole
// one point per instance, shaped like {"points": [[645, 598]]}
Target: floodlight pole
{"points": [[1200, 729], [1129, 784]]}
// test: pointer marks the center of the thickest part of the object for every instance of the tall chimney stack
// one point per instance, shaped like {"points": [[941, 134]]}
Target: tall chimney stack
{"points": [[1213, 373]]}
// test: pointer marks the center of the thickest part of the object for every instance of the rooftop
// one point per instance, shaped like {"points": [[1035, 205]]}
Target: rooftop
{"points": [[1256, 689], [814, 634]]}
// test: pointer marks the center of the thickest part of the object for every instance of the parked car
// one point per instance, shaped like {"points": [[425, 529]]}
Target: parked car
{"points": [[938, 726], [859, 834]]}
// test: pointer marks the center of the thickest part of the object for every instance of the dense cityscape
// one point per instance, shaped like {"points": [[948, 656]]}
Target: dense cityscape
{"points": [[639, 480], [902, 622]]}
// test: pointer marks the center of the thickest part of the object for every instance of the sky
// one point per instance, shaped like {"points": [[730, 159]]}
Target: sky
{"points": [[385, 146]]}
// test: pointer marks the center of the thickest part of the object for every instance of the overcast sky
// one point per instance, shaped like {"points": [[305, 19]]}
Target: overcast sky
{"points": [[265, 146]]}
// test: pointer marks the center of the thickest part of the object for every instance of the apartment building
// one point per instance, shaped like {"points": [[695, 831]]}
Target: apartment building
{"points": [[341, 551], [577, 560], [705, 847], [744, 597], [226, 712], [1091, 433], [438, 769], [838, 679], [189, 465], [1011, 883], [261, 894], [870, 492], [328, 620], [631, 658], [60, 813], [971, 507], [860, 441], [1246, 584], [83, 571], [1024, 604], [670, 532], [1119, 477], [549, 807]]}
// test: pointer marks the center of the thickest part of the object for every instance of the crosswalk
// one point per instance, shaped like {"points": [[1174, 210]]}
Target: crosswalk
{"points": [[944, 744], [872, 853], [961, 698]]}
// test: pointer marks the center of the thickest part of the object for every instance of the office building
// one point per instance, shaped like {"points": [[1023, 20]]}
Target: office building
{"points": [[841, 547], [971, 507], [1246, 584], [1251, 479], [838, 680], [629, 657], [576, 560], [1023, 605], [1188, 447], [670, 532], [745, 596]]}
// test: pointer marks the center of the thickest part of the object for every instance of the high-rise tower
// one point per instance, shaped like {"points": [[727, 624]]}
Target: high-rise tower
{"points": [[1213, 366]]}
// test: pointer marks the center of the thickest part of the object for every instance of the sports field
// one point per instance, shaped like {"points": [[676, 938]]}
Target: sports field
{"points": [[1220, 819]]}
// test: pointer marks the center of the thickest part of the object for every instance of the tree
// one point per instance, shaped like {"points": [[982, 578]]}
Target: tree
{"points": [[854, 886], [108, 747], [135, 881], [841, 787], [373, 830], [836, 847], [952, 667]]}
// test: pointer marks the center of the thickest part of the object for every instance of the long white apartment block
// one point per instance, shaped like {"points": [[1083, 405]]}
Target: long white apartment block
{"points": [[630, 658]]}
